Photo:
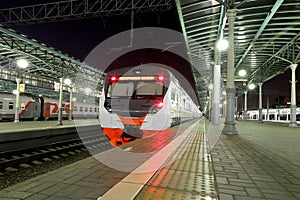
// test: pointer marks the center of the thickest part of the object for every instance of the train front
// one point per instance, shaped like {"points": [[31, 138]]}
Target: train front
{"points": [[134, 104]]}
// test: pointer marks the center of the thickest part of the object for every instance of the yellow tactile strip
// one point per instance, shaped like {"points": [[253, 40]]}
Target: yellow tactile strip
{"points": [[188, 174]]}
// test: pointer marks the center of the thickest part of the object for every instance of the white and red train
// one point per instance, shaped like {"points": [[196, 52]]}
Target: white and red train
{"points": [[280, 114], [139, 100], [40, 108]]}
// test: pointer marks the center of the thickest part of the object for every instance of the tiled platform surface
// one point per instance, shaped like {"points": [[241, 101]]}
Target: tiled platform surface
{"points": [[89, 178], [262, 162], [186, 174]]}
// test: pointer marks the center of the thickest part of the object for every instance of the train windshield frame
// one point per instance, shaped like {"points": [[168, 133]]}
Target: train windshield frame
{"points": [[135, 89]]}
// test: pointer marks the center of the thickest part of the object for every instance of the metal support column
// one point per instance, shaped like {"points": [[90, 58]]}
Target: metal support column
{"points": [[260, 103], [229, 124], [209, 104], [60, 108], [236, 107], [17, 109], [216, 88], [70, 103], [293, 122], [245, 105], [268, 108]]}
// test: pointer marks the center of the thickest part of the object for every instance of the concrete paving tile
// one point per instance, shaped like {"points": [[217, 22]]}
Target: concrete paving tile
{"points": [[296, 194], [98, 192], [40, 187], [280, 197], [233, 192], [28, 186], [37, 196], [53, 197], [226, 197], [16, 194], [238, 197], [293, 188], [67, 191], [90, 184], [81, 193], [221, 180], [72, 180], [242, 184], [262, 184], [243, 175], [253, 192], [293, 180], [231, 187], [54, 189]]}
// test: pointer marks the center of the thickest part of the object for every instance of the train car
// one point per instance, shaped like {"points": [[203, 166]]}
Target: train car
{"points": [[140, 101], [278, 115], [43, 108]]}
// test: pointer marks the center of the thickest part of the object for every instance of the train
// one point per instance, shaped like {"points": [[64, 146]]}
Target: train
{"points": [[279, 114], [137, 101], [43, 108]]}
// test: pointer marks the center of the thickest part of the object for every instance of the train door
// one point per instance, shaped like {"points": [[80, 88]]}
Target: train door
{"points": [[42, 111], [36, 109]]}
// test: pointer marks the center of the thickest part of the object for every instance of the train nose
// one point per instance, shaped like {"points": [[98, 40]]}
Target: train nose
{"points": [[133, 130]]}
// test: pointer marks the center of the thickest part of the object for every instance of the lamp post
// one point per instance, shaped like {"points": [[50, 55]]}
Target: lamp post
{"points": [[260, 103], [21, 64], [70, 103], [293, 122], [60, 107], [229, 124], [68, 82], [220, 45]]}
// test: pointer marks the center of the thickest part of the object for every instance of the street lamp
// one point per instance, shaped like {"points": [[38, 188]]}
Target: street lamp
{"points": [[242, 72], [68, 82], [21, 64], [251, 86], [222, 44]]}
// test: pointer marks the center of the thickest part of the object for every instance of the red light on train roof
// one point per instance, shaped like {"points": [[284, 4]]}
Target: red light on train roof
{"points": [[114, 79], [160, 78]]}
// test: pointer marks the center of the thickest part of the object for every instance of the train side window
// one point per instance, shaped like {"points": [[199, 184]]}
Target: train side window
{"points": [[85, 109], [173, 96], [95, 109], [75, 108], [1, 105], [81, 109], [91, 109], [11, 105]]}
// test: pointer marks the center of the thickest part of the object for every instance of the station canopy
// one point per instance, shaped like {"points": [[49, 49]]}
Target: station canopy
{"points": [[266, 37], [45, 63]]}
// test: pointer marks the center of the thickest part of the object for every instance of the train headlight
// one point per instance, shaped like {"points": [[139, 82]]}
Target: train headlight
{"points": [[160, 104], [157, 106]]}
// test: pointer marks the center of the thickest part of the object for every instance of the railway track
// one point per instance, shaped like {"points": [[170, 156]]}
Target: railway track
{"points": [[12, 160]]}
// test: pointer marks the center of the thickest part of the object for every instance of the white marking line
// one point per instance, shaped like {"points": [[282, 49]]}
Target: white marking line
{"points": [[128, 149], [130, 186]]}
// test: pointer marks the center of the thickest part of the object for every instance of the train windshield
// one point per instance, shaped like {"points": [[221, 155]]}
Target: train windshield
{"points": [[135, 89]]}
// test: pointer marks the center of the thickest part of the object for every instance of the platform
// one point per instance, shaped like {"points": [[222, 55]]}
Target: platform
{"points": [[10, 131], [193, 161]]}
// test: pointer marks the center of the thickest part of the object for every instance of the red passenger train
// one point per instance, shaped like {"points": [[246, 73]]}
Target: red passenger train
{"points": [[39, 108]]}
